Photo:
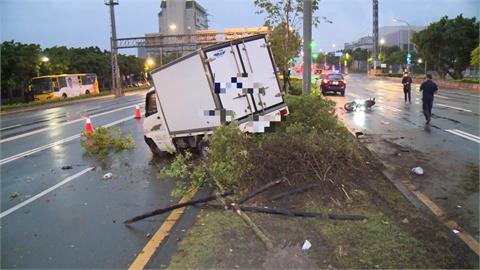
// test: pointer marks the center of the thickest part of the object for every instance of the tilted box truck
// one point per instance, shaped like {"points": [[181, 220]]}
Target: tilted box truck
{"points": [[234, 80]]}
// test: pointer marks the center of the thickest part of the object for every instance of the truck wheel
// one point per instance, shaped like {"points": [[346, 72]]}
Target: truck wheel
{"points": [[203, 148], [64, 96], [87, 92], [153, 146]]}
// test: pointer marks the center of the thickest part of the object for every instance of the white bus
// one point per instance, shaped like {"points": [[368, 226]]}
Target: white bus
{"points": [[63, 86]]}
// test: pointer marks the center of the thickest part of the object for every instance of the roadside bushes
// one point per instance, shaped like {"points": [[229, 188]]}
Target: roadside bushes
{"points": [[308, 146]]}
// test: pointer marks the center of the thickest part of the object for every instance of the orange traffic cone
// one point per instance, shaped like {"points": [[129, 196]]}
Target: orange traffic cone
{"points": [[138, 115], [88, 125]]}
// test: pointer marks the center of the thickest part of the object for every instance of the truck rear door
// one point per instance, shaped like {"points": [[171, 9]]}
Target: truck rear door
{"points": [[261, 73], [225, 65]]}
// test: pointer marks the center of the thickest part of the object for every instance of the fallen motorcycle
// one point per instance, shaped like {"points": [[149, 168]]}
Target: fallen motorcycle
{"points": [[354, 105]]}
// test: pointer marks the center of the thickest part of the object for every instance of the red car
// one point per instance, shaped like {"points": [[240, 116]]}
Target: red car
{"points": [[333, 83]]}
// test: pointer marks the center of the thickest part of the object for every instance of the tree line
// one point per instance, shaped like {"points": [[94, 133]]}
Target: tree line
{"points": [[448, 46], [20, 62]]}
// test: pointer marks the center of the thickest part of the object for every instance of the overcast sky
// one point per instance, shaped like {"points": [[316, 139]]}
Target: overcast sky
{"points": [[80, 23]]}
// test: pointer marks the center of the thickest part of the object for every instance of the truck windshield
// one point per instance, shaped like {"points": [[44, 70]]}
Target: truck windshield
{"points": [[42, 86], [151, 105]]}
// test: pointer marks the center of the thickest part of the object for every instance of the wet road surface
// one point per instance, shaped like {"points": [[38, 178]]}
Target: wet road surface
{"points": [[448, 147], [72, 218]]}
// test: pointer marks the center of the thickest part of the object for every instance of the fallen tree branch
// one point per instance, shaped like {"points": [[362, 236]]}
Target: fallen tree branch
{"points": [[266, 241], [260, 190], [180, 205], [293, 191], [291, 212]]}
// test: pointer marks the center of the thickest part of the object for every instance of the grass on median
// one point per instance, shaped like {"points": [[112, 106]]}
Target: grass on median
{"points": [[395, 235]]}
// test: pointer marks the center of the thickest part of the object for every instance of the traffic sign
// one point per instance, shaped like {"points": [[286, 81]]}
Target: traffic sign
{"points": [[338, 53]]}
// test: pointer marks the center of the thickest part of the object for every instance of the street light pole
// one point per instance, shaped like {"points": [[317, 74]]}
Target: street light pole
{"points": [[408, 36], [333, 47], [116, 83], [307, 49]]}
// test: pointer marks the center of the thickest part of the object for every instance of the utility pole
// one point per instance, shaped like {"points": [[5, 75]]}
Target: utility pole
{"points": [[375, 35], [307, 49], [116, 83]]}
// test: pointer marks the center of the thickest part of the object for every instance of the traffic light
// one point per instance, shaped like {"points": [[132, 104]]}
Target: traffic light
{"points": [[314, 56], [409, 58], [312, 44]]}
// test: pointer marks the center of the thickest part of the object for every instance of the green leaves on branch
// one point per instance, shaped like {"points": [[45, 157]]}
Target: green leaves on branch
{"points": [[103, 141], [227, 162]]}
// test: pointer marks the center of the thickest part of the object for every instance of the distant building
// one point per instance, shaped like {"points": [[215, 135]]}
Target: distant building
{"points": [[177, 17], [398, 35], [181, 17], [362, 43]]}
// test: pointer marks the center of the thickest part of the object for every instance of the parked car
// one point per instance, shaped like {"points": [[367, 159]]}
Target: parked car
{"points": [[333, 83]]}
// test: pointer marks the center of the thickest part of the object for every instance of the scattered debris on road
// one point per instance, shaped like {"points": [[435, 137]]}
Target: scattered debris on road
{"points": [[14, 195], [107, 176], [417, 170], [66, 167], [306, 245]]}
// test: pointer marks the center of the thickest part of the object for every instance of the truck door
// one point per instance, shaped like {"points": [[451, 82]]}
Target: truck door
{"points": [[153, 125], [261, 73], [228, 75]]}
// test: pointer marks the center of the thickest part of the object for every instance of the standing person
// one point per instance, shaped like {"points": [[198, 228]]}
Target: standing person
{"points": [[428, 88], [407, 82]]}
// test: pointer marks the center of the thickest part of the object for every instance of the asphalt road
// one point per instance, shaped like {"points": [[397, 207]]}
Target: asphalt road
{"points": [[449, 146], [72, 218]]}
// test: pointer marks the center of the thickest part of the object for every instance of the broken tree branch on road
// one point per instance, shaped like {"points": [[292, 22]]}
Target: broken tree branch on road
{"points": [[176, 206], [260, 190]]}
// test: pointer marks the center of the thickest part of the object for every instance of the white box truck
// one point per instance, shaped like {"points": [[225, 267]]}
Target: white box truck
{"points": [[234, 80]]}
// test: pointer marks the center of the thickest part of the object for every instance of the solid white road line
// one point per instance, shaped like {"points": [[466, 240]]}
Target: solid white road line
{"points": [[10, 127], [465, 135], [62, 124], [50, 145], [43, 193], [452, 107]]}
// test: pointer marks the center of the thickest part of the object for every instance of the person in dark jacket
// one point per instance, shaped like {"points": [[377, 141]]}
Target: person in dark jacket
{"points": [[428, 88], [407, 82]]}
